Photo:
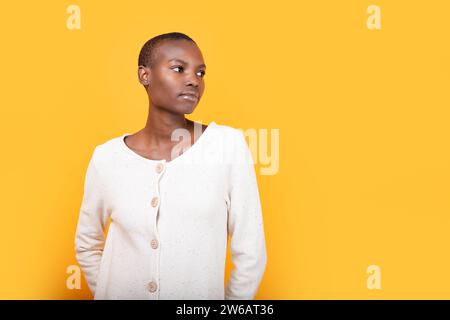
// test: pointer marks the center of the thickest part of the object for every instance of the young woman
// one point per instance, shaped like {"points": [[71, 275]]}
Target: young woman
{"points": [[174, 193]]}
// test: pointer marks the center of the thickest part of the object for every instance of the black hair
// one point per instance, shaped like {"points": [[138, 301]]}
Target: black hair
{"points": [[146, 56]]}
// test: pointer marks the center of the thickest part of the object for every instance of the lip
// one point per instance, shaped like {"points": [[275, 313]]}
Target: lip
{"points": [[189, 96]]}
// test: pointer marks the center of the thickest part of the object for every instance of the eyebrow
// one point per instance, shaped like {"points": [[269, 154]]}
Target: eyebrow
{"points": [[184, 62]]}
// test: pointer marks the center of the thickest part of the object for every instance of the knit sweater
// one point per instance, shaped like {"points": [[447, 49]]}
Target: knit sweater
{"points": [[170, 221]]}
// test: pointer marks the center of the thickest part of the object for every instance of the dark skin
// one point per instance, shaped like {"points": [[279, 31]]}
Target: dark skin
{"points": [[178, 67]]}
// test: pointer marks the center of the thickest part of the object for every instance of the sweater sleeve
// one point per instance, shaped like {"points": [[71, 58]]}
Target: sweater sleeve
{"points": [[92, 220], [245, 226]]}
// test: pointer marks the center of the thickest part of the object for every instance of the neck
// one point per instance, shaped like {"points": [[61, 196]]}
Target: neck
{"points": [[161, 124]]}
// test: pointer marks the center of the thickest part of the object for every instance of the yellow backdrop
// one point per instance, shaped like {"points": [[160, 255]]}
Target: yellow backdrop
{"points": [[363, 118]]}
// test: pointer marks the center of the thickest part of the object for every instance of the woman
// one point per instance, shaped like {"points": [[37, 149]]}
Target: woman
{"points": [[173, 191]]}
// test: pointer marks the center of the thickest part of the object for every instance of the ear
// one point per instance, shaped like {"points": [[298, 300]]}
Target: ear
{"points": [[144, 75]]}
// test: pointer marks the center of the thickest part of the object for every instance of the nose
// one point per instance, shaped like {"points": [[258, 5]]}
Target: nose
{"points": [[192, 79]]}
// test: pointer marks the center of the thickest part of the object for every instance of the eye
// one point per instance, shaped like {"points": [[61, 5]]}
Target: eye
{"points": [[202, 73], [177, 67]]}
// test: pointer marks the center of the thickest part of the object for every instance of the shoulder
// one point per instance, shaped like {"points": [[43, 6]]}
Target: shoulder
{"points": [[229, 133], [233, 142], [107, 150]]}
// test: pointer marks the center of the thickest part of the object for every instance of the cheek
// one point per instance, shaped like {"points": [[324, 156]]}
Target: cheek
{"points": [[163, 90], [201, 89]]}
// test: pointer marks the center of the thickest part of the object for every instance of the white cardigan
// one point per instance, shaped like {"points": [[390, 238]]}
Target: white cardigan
{"points": [[170, 221]]}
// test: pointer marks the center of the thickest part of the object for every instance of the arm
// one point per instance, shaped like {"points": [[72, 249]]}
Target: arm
{"points": [[245, 226], [90, 233]]}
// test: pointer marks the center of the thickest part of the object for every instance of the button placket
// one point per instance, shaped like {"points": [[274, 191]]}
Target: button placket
{"points": [[159, 169], [155, 202], [154, 243]]}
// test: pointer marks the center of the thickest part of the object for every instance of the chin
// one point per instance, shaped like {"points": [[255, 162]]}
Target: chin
{"points": [[184, 108], [189, 111], [187, 108]]}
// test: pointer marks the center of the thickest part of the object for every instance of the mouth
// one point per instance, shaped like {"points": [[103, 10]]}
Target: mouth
{"points": [[189, 96]]}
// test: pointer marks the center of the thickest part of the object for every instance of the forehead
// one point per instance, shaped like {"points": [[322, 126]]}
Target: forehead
{"points": [[184, 50]]}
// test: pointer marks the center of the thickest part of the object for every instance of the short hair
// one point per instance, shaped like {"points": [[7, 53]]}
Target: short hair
{"points": [[147, 54]]}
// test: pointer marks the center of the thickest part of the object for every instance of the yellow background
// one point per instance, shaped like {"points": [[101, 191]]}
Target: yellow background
{"points": [[363, 115]]}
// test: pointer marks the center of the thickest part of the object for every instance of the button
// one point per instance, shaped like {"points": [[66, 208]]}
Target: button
{"points": [[159, 168], [154, 201], [154, 244], [152, 286]]}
